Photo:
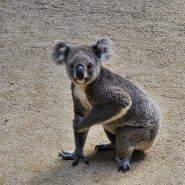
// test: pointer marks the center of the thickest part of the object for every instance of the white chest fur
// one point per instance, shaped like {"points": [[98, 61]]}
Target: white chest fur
{"points": [[79, 92]]}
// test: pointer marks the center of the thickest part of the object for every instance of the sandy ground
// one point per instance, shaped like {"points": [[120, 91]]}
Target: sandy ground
{"points": [[35, 99]]}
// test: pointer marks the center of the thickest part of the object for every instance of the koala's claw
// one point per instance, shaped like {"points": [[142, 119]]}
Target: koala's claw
{"points": [[66, 155], [73, 156], [124, 165], [77, 160], [104, 147]]}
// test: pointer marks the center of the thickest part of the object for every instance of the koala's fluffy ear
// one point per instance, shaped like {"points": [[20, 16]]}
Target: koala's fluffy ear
{"points": [[102, 49], [60, 51]]}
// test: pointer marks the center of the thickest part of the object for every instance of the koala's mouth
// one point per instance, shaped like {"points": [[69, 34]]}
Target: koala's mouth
{"points": [[80, 81]]}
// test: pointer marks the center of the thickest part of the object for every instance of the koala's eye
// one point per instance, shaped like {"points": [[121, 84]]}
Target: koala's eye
{"points": [[71, 66], [89, 66]]}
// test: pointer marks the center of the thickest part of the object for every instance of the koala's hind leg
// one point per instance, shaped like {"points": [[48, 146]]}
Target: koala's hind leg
{"points": [[128, 139], [109, 146]]}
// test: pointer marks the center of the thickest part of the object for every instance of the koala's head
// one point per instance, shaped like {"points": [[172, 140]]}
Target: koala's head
{"points": [[83, 63]]}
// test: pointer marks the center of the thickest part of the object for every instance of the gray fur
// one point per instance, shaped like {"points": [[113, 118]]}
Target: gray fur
{"points": [[130, 118]]}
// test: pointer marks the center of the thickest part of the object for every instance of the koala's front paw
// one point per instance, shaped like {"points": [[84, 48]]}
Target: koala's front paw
{"points": [[77, 125], [73, 156]]}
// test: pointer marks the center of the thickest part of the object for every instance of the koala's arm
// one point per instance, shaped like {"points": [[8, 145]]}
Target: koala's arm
{"points": [[112, 106], [80, 138]]}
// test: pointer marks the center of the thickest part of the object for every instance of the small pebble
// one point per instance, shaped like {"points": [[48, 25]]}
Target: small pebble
{"points": [[6, 120]]}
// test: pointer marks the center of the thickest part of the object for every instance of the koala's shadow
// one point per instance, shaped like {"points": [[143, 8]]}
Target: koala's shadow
{"points": [[103, 156], [62, 171], [137, 156]]}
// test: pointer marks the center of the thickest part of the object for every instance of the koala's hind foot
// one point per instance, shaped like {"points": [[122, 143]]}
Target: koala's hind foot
{"points": [[128, 139], [124, 165], [104, 147], [76, 157], [110, 146]]}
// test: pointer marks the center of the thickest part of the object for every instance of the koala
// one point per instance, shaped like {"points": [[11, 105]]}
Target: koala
{"points": [[129, 116]]}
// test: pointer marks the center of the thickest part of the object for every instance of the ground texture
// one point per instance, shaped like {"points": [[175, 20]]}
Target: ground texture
{"points": [[35, 99]]}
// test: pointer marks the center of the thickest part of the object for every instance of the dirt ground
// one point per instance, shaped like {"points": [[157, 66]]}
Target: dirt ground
{"points": [[35, 99]]}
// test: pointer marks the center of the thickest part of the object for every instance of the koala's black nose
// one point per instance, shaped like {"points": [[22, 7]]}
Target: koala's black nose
{"points": [[80, 71]]}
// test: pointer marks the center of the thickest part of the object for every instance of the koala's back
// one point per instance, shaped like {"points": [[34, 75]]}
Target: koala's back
{"points": [[143, 111]]}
